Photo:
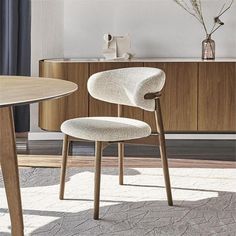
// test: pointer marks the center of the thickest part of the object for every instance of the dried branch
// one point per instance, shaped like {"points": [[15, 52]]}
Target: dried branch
{"points": [[217, 21], [230, 5], [186, 8], [194, 8]]}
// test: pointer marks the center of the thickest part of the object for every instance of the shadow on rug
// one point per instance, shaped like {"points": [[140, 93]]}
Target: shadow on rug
{"points": [[213, 216], [204, 203], [36, 177]]}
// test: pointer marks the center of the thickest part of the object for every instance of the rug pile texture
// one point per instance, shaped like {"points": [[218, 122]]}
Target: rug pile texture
{"points": [[204, 203]]}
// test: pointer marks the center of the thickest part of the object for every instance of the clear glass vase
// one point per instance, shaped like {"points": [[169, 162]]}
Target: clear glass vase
{"points": [[208, 48]]}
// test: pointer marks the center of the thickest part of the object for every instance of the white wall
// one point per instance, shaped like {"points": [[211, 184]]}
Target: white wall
{"points": [[47, 38], [158, 28]]}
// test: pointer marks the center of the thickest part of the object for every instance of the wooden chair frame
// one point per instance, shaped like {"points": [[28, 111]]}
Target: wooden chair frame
{"points": [[101, 145]]}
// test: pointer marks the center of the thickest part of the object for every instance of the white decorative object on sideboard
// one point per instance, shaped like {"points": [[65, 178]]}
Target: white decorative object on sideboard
{"points": [[117, 47]]}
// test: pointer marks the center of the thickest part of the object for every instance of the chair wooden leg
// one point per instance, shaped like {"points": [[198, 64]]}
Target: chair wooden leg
{"points": [[63, 166], [160, 129], [121, 162], [9, 166], [97, 179]]}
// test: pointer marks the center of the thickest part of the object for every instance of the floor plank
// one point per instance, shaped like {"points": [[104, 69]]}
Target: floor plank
{"points": [[133, 162]]}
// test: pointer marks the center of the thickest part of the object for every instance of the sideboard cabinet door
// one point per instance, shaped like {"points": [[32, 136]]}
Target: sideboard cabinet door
{"points": [[179, 98], [217, 97], [198, 96], [77, 102], [52, 113]]}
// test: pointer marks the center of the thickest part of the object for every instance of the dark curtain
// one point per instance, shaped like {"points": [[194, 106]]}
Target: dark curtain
{"points": [[15, 49]]}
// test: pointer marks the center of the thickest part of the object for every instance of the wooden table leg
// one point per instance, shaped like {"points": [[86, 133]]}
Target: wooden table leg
{"points": [[9, 166]]}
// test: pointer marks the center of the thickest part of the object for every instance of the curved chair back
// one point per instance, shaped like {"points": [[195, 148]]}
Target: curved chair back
{"points": [[127, 86]]}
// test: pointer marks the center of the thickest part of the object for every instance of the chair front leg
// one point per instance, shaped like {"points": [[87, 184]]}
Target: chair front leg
{"points": [[63, 166], [97, 178], [120, 113], [160, 130], [121, 150]]}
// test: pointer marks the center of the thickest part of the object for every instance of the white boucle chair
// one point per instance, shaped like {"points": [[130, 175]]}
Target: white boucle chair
{"points": [[139, 87]]}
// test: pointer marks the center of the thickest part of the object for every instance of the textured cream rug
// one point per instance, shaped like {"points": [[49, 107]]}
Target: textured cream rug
{"points": [[204, 199]]}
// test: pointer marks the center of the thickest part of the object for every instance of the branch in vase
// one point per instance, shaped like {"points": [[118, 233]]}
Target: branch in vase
{"points": [[217, 18], [194, 8], [232, 1], [215, 21]]}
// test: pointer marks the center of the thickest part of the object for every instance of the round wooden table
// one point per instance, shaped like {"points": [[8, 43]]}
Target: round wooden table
{"points": [[19, 90]]}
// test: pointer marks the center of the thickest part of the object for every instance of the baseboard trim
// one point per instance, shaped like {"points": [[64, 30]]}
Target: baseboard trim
{"points": [[59, 136], [45, 136]]}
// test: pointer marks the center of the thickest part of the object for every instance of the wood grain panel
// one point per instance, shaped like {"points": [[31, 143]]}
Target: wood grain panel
{"points": [[149, 117], [77, 103], [52, 113], [133, 112], [179, 99], [99, 108], [217, 97]]}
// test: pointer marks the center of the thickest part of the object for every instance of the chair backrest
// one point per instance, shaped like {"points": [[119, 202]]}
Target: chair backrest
{"points": [[127, 86]]}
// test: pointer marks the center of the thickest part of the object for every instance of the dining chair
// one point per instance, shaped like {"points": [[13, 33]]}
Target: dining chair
{"points": [[136, 86]]}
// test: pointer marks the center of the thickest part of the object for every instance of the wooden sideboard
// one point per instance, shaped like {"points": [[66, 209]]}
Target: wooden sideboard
{"points": [[199, 96]]}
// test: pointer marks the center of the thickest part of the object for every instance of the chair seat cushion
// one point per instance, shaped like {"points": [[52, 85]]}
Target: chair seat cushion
{"points": [[106, 128]]}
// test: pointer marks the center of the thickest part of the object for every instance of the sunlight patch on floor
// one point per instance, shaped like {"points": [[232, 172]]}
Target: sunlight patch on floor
{"points": [[144, 188]]}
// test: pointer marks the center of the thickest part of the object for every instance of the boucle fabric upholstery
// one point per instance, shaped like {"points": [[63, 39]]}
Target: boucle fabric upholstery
{"points": [[106, 128], [127, 86]]}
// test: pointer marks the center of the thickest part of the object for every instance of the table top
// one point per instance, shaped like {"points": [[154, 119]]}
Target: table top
{"points": [[19, 90], [136, 59]]}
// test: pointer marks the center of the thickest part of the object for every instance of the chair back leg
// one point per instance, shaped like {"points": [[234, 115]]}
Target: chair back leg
{"points": [[160, 130], [63, 166], [97, 179], [121, 162]]}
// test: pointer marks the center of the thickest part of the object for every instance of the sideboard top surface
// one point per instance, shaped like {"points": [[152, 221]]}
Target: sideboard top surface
{"points": [[177, 59]]}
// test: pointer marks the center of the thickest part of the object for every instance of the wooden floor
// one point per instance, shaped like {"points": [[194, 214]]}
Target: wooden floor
{"points": [[132, 162], [181, 154]]}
